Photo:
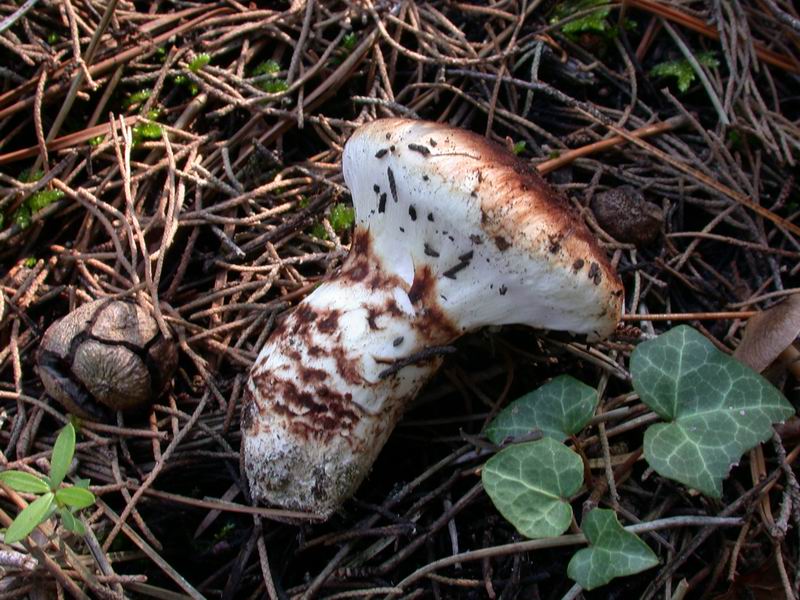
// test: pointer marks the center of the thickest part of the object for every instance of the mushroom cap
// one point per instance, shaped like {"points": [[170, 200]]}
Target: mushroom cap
{"points": [[453, 214]]}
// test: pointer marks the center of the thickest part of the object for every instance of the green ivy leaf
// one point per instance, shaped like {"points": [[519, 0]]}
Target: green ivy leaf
{"points": [[24, 482], [613, 552], [560, 408], [70, 522], [63, 450], [75, 497], [29, 518], [530, 484], [717, 408], [682, 70]]}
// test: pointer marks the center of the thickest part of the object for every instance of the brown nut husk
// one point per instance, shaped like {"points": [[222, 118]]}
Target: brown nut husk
{"points": [[104, 356]]}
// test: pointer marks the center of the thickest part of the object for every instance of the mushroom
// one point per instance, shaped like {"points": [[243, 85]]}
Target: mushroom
{"points": [[103, 356], [452, 233]]}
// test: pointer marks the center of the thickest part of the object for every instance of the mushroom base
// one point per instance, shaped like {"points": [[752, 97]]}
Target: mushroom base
{"points": [[326, 390]]}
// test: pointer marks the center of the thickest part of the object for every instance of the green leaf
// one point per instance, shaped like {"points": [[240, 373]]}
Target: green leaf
{"points": [[199, 61], [24, 482], [70, 522], [63, 450], [519, 147], [682, 70], [613, 552], [29, 262], [560, 408], [75, 497], [717, 408], [530, 484], [342, 217], [29, 518]]}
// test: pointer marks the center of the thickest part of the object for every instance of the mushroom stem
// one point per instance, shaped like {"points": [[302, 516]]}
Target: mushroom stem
{"points": [[323, 395]]}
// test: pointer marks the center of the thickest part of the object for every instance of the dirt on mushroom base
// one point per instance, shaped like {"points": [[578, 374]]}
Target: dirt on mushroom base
{"points": [[248, 245]]}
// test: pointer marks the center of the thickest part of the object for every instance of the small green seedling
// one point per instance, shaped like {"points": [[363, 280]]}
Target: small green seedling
{"points": [[53, 498], [519, 147], [683, 71]]}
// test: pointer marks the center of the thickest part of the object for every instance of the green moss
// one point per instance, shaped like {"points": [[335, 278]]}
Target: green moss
{"points": [[268, 67], [43, 198], [318, 231], [342, 217], [146, 131], [274, 86], [28, 176], [593, 22], [683, 71], [137, 98], [199, 61]]}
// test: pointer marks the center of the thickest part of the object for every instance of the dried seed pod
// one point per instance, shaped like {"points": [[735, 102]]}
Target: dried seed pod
{"points": [[627, 216], [105, 355]]}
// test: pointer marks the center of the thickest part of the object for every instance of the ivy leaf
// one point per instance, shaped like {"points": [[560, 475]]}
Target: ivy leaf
{"points": [[717, 408], [24, 482], [682, 70], [75, 497], [613, 552], [560, 408], [530, 484], [63, 451], [29, 518]]}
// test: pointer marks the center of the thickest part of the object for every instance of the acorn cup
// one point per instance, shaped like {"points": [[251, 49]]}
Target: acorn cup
{"points": [[104, 356]]}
